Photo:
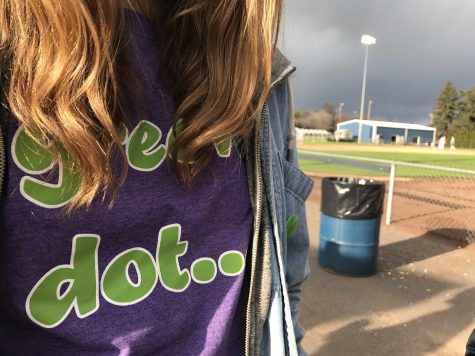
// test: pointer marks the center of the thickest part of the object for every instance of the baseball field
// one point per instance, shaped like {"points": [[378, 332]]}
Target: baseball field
{"points": [[426, 200], [460, 158]]}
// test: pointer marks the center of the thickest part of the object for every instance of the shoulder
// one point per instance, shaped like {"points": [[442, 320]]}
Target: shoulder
{"points": [[280, 105], [280, 96]]}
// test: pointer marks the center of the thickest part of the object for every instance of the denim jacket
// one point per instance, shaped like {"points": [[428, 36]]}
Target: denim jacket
{"points": [[279, 252], [277, 258]]}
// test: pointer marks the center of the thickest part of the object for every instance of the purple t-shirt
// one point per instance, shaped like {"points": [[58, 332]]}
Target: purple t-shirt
{"points": [[162, 272]]}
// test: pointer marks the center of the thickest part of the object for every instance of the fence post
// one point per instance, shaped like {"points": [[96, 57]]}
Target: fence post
{"points": [[389, 209]]}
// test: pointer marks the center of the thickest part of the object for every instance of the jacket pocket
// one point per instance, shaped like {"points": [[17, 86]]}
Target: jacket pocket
{"points": [[296, 182]]}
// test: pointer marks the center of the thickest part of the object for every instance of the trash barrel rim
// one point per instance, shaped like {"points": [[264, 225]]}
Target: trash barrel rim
{"points": [[354, 181]]}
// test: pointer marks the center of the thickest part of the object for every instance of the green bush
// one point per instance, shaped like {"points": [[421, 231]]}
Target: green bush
{"points": [[463, 139]]}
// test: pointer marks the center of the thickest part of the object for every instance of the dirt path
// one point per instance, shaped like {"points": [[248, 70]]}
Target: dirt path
{"points": [[383, 148], [420, 302]]}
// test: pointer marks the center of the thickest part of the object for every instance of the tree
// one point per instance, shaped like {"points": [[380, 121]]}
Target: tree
{"points": [[322, 119], [301, 113], [446, 109], [330, 109], [466, 117]]}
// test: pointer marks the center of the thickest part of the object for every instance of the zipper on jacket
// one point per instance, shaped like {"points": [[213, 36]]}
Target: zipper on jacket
{"points": [[259, 200], [257, 222]]}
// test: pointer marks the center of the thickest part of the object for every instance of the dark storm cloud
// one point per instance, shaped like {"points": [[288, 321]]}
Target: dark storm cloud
{"points": [[421, 44]]}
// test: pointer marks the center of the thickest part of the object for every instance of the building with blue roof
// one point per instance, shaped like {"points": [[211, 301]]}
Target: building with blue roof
{"points": [[390, 132]]}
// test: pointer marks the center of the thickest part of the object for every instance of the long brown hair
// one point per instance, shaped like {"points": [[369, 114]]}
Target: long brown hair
{"points": [[64, 59]]}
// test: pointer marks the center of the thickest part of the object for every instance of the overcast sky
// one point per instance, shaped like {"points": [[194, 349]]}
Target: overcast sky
{"points": [[421, 44]]}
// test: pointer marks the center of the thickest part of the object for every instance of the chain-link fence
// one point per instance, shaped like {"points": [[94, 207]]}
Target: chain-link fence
{"points": [[433, 199], [440, 201]]}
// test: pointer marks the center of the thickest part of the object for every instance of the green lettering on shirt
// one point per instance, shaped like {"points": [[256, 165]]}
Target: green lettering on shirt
{"points": [[169, 249], [143, 151], [231, 263], [223, 147], [35, 159], [117, 286], [179, 127], [49, 303], [203, 270], [29, 155], [76, 285]]}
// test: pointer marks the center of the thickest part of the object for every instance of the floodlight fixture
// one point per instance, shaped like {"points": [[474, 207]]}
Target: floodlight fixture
{"points": [[368, 40]]}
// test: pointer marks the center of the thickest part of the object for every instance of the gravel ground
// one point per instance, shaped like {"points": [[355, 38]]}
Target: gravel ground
{"points": [[420, 302]]}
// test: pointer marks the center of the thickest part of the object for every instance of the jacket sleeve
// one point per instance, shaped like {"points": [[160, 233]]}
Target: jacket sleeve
{"points": [[297, 189]]}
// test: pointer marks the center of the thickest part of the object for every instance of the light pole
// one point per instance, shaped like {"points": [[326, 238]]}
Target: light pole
{"points": [[340, 111], [370, 105], [367, 41]]}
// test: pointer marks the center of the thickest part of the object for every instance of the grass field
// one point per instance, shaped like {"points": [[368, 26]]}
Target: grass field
{"points": [[336, 169], [425, 200], [463, 159]]}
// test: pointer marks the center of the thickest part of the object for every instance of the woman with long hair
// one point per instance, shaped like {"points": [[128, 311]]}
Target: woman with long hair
{"points": [[150, 201]]}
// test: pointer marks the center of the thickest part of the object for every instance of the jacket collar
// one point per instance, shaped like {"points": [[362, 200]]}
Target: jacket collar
{"points": [[281, 67]]}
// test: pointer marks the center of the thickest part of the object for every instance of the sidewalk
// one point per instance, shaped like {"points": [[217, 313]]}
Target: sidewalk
{"points": [[421, 301]]}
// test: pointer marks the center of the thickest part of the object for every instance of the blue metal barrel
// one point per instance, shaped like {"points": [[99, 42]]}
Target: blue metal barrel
{"points": [[349, 225]]}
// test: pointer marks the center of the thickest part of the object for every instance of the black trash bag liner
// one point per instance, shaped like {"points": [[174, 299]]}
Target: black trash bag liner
{"points": [[352, 198]]}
